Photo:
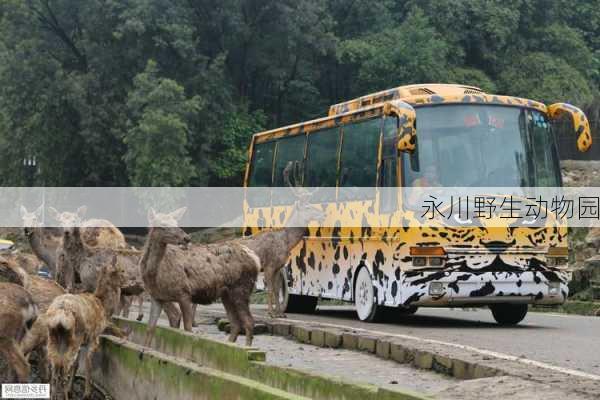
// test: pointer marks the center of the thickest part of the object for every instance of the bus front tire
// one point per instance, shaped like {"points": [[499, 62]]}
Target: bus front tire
{"points": [[365, 302], [509, 314]]}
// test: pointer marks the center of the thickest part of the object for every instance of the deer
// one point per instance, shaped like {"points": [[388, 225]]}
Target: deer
{"points": [[274, 247], [17, 313], [196, 274], [74, 321], [79, 263], [28, 262], [45, 242], [43, 292]]}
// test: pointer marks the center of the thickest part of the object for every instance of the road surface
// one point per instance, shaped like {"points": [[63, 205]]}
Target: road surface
{"points": [[566, 341]]}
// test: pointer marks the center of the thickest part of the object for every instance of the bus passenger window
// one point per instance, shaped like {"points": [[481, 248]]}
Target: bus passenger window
{"points": [[261, 172], [358, 164], [321, 163]]}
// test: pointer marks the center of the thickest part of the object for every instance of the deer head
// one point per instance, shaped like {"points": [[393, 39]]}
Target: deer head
{"points": [[303, 212], [32, 219], [165, 227], [68, 221], [108, 285]]}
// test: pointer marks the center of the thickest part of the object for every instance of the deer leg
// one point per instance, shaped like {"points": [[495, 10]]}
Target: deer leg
{"points": [[233, 316], [15, 358], [35, 340], [269, 287], [186, 311], [57, 390], [243, 307], [124, 305], [72, 369], [194, 309], [173, 314], [88, 367], [140, 315], [155, 310], [277, 282]]}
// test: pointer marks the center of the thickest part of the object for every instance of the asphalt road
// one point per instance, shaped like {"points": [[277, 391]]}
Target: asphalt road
{"points": [[565, 341]]}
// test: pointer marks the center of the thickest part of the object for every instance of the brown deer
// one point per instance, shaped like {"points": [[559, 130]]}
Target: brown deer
{"points": [[43, 292], [274, 247], [77, 320], [45, 242], [29, 262], [79, 263], [199, 274], [17, 313]]}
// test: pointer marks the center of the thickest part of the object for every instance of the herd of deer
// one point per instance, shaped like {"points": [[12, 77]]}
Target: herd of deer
{"points": [[97, 275]]}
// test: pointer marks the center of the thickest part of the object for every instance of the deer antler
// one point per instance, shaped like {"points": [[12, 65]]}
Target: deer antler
{"points": [[302, 194], [286, 178]]}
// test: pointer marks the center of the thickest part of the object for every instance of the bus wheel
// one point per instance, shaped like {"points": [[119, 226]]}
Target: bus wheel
{"points": [[509, 314], [364, 298]]}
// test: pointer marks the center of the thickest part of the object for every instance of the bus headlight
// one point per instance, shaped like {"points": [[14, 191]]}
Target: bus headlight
{"points": [[436, 261], [436, 289], [553, 288], [419, 261]]}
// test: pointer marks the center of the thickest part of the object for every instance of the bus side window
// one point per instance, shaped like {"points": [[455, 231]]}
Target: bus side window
{"points": [[389, 166], [289, 148], [321, 162], [358, 164], [261, 173]]}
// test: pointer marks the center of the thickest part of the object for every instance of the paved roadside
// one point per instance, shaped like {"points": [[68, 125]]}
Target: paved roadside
{"points": [[565, 341]]}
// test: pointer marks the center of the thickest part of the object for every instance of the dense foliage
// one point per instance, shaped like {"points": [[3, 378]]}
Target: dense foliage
{"points": [[168, 92]]}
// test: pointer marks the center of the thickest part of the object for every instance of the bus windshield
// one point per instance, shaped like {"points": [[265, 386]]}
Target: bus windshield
{"points": [[482, 146]]}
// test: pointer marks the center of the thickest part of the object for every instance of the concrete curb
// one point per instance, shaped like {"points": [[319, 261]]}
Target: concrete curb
{"points": [[249, 362], [457, 362], [132, 370], [401, 351]]}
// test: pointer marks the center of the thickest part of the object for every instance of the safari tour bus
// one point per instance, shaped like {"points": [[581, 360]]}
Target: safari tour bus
{"points": [[429, 135]]}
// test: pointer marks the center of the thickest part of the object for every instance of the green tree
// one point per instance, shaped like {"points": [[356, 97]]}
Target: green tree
{"points": [[228, 161], [413, 52], [543, 77], [157, 137]]}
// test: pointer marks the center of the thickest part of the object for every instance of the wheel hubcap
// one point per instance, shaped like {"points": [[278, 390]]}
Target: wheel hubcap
{"points": [[364, 295]]}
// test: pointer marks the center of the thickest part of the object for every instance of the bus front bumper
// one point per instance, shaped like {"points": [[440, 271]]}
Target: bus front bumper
{"points": [[459, 289]]}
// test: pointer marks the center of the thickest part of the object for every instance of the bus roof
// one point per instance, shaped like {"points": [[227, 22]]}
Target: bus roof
{"points": [[415, 95], [403, 93]]}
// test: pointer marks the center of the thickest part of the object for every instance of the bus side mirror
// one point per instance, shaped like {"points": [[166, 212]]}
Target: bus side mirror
{"points": [[407, 124], [581, 126]]}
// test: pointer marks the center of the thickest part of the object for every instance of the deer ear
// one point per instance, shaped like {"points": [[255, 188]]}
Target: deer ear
{"points": [[54, 213], [178, 214], [81, 211], [23, 211]]}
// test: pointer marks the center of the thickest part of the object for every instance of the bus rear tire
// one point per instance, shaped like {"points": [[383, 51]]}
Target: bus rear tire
{"points": [[509, 314], [300, 304], [365, 303]]}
